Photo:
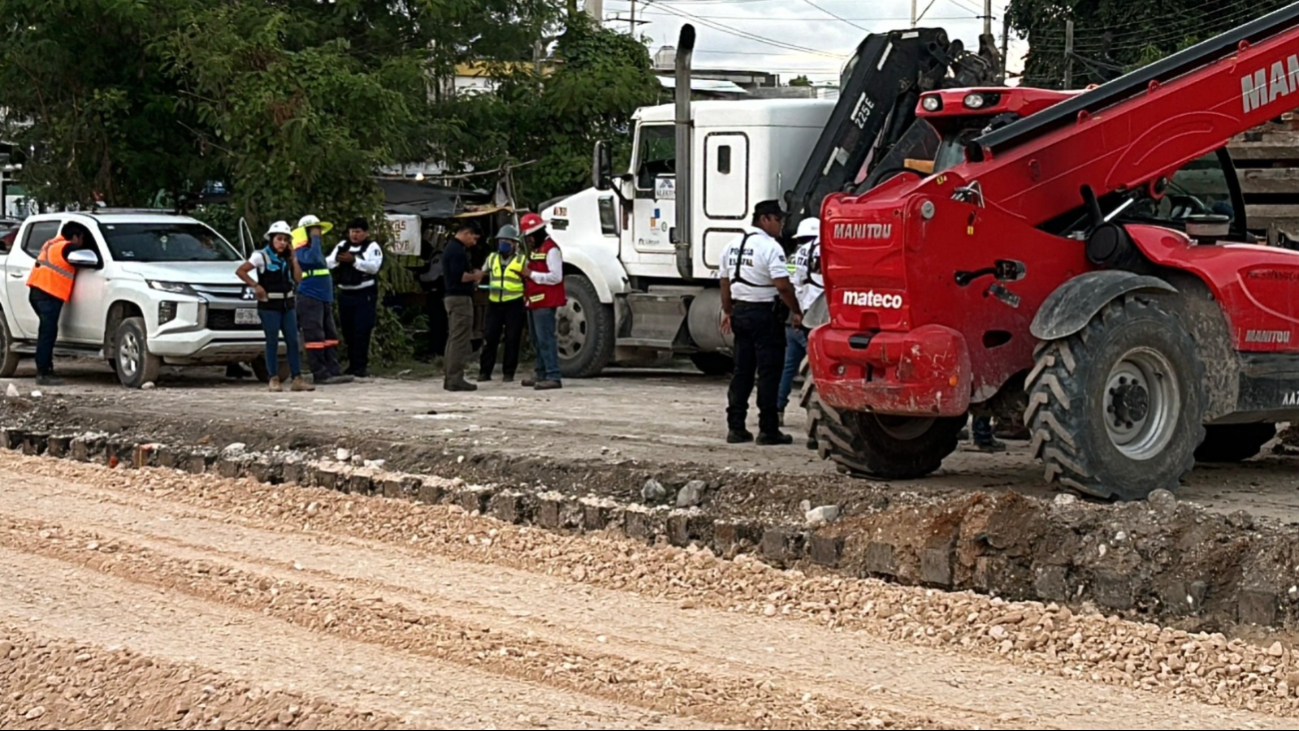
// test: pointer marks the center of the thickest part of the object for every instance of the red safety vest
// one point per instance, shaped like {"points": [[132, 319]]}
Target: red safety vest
{"points": [[53, 274], [543, 296]]}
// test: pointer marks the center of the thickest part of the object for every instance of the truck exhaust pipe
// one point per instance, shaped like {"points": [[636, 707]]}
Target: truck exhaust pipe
{"points": [[682, 235]]}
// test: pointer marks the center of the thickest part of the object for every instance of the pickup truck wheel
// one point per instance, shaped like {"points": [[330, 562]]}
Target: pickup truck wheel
{"points": [[8, 358], [585, 330], [263, 373], [872, 445], [1234, 442], [1117, 410], [713, 364], [136, 366]]}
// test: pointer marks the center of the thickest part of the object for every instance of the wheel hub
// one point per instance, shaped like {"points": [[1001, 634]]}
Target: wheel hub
{"points": [[129, 355], [1142, 403], [570, 329]]}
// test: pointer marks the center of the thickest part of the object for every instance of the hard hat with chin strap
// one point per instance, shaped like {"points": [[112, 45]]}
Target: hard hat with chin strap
{"points": [[300, 238], [809, 228], [531, 223]]}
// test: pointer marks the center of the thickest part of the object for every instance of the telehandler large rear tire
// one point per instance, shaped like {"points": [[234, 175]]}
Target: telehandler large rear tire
{"points": [[1234, 442], [871, 445], [1117, 409]]}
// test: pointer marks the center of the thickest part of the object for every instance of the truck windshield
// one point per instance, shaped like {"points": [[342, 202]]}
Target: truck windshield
{"points": [[166, 242]]}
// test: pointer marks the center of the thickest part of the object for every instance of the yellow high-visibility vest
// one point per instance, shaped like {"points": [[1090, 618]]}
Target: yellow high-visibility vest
{"points": [[506, 279]]}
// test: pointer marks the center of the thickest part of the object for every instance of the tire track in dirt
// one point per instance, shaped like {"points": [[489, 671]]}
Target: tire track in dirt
{"points": [[345, 563]]}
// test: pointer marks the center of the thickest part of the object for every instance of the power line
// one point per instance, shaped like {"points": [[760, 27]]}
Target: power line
{"points": [[836, 17], [744, 34]]}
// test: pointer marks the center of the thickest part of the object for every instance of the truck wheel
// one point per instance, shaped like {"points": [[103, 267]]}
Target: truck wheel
{"points": [[1116, 410], [811, 403], [8, 358], [1234, 442], [263, 373], [136, 366], [872, 445], [585, 328], [713, 364]]}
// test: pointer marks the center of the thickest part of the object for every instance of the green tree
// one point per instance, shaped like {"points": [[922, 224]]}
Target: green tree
{"points": [[1115, 36], [801, 80], [598, 77]]}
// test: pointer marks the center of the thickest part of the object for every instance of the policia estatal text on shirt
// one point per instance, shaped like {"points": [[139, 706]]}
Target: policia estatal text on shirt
{"points": [[757, 300]]}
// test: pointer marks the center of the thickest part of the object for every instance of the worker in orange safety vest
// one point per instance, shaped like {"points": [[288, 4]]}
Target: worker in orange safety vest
{"points": [[49, 287]]}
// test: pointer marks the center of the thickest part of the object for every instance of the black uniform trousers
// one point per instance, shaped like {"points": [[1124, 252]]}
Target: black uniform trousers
{"points": [[759, 351], [508, 318], [357, 311]]}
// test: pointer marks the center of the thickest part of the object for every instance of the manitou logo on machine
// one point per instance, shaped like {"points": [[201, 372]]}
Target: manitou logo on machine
{"points": [[1261, 87], [1290, 399], [847, 231], [873, 299], [1267, 336]]}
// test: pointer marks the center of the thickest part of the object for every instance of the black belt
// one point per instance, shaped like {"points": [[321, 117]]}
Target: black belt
{"points": [[746, 303]]}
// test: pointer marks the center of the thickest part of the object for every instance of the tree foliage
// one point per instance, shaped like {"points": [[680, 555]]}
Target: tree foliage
{"points": [[598, 79], [1115, 36], [800, 80]]}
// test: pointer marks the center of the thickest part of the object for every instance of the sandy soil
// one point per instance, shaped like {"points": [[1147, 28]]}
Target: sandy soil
{"points": [[608, 434], [161, 600]]}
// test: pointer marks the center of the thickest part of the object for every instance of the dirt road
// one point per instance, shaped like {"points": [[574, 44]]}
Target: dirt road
{"points": [[160, 600], [623, 427]]}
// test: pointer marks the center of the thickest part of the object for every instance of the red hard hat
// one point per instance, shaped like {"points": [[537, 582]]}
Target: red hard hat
{"points": [[531, 223]]}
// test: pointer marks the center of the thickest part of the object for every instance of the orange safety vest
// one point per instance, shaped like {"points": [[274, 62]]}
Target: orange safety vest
{"points": [[53, 274]]}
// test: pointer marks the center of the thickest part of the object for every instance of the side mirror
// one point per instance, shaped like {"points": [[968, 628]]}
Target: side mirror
{"points": [[84, 258], [602, 167]]}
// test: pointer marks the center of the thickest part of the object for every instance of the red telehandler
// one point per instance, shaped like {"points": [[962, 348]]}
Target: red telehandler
{"points": [[1094, 255]]}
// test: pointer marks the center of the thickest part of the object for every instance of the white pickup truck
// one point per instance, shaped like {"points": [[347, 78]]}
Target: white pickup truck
{"points": [[164, 292]]}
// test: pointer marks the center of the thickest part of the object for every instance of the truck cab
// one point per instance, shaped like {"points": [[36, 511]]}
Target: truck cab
{"points": [[637, 290]]}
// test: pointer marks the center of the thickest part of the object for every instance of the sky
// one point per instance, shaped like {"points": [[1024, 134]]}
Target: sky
{"points": [[797, 37]]}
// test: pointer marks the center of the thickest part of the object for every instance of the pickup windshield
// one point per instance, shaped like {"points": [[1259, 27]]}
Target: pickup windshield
{"points": [[166, 242]]}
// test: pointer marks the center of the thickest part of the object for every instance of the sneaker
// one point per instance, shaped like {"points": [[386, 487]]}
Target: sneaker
{"points": [[529, 382], [774, 439], [548, 385], [462, 386], [996, 445], [300, 385], [275, 384], [49, 379], [739, 436]]}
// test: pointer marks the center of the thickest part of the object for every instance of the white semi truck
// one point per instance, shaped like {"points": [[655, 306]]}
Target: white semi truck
{"points": [[641, 248]]}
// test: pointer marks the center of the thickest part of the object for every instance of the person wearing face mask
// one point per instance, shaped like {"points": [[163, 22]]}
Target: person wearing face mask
{"points": [[506, 312], [278, 275], [316, 302]]}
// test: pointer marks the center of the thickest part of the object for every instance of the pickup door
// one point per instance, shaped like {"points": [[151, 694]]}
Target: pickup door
{"points": [[23, 323]]}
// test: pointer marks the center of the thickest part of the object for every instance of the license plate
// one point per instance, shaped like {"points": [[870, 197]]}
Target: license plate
{"points": [[247, 316]]}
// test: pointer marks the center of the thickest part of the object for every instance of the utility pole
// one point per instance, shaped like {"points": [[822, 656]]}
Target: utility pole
{"points": [[914, 10], [987, 17], [631, 22], [1068, 55], [1005, 48]]}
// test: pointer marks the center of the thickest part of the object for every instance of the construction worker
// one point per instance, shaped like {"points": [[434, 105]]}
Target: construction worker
{"points": [[461, 281], [316, 302], [49, 288], [355, 263], [543, 286], [757, 298], [808, 286], [278, 275], [505, 308]]}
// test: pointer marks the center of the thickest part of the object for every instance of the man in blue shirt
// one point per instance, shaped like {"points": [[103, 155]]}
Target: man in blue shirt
{"points": [[316, 302]]}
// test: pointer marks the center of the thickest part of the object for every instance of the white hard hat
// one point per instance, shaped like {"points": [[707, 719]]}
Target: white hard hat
{"points": [[279, 227], [308, 221], [809, 228]]}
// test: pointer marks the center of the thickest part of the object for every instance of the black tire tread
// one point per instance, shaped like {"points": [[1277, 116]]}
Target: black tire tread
{"points": [[8, 358], [1055, 415]]}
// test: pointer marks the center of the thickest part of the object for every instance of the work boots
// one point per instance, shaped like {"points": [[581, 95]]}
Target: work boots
{"points": [[275, 384], [774, 439], [301, 385]]}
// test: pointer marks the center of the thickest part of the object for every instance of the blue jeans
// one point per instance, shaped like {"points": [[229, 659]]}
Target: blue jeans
{"points": [[795, 352], [275, 322], [545, 343], [982, 430], [48, 308]]}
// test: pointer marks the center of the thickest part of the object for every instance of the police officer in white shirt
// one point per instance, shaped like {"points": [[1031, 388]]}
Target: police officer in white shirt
{"points": [[808, 285], [756, 300]]}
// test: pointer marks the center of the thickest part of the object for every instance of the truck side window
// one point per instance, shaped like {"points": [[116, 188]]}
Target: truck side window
{"points": [[608, 217], [656, 156], [38, 234], [1199, 187], [724, 159]]}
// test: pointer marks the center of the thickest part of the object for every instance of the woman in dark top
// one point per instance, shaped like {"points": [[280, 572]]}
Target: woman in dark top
{"points": [[278, 275]]}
